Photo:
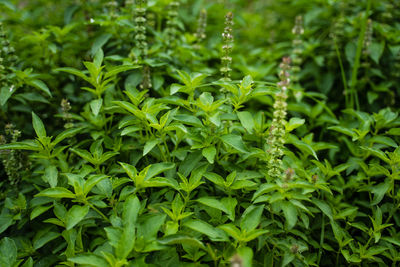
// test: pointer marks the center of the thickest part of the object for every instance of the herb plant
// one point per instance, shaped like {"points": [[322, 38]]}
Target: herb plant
{"points": [[199, 133]]}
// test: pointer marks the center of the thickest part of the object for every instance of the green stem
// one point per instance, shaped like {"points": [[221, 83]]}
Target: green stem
{"points": [[162, 153], [337, 257], [392, 213], [346, 90], [321, 241], [97, 210], [356, 65], [166, 148]]}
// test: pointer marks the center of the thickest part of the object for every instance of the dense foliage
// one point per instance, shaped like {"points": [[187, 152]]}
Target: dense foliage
{"points": [[199, 133]]}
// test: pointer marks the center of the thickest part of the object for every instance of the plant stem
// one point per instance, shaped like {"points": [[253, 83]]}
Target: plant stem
{"points": [[346, 90], [354, 95], [322, 239], [97, 210]]}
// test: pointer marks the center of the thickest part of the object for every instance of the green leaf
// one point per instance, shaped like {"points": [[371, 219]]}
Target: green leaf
{"points": [[37, 211], [51, 175], [129, 169], [149, 146], [230, 205], [41, 86], [8, 252], [200, 226], [75, 215], [209, 153], [56, 192], [287, 258], [234, 141], [75, 72], [206, 99], [251, 218], [350, 52], [265, 188], [38, 126], [305, 148], [188, 119], [158, 168], [24, 145], [343, 130], [325, 208], [383, 140], [99, 42], [129, 217], [8, 5], [213, 203], [182, 240], [392, 240], [66, 134], [5, 222], [89, 259], [294, 123], [379, 191], [215, 178], [376, 50], [190, 162], [92, 181], [354, 258], [105, 187], [95, 106], [231, 230], [43, 237], [247, 81], [393, 131], [130, 211], [175, 88], [28, 263], [5, 93], [247, 121], [118, 69], [97, 60], [246, 257], [84, 154], [130, 129], [377, 153], [290, 213], [253, 234]]}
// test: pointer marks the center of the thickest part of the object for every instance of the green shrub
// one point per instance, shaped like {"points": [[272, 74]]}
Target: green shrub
{"points": [[138, 133]]}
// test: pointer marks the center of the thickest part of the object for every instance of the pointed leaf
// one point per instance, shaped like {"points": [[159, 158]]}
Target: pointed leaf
{"points": [[95, 106], [251, 218], [74, 72], [51, 175], [43, 237], [89, 259], [158, 168], [246, 256], [8, 252], [149, 146], [75, 215], [213, 233], [246, 119], [290, 212], [38, 126], [40, 85], [5, 93], [209, 153], [182, 240], [38, 211], [56, 192], [234, 141]]}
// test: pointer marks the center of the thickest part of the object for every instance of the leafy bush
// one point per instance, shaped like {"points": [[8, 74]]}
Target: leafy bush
{"points": [[199, 133]]}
